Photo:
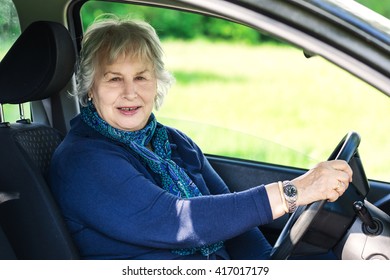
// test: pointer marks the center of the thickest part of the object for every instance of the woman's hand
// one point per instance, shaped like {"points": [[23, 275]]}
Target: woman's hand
{"points": [[326, 181]]}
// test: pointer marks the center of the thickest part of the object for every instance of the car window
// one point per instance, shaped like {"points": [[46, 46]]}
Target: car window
{"points": [[9, 32], [245, 95]]}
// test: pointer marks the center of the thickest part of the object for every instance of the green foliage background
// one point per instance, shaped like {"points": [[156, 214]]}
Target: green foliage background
{"points": [[191, 26], [171, 25]]}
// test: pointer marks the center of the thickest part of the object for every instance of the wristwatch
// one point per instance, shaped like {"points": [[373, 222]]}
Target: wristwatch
{"points": [[291, 194]]}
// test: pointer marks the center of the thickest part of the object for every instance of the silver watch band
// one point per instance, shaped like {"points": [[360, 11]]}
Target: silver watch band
{"points": [[291, 195]]}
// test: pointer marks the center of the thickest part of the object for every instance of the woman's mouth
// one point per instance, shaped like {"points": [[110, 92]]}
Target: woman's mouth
{"points": [[129, 110]]}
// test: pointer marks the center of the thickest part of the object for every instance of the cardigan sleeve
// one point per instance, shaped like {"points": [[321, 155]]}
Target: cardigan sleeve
{"points": [[251, 244], [102, 187]]}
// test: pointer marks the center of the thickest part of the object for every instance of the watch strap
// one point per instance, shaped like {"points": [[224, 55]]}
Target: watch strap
{"points": [[291, 194]]}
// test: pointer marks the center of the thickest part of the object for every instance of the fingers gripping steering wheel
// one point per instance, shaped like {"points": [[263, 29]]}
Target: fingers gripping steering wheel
{"points": [[317, 227]]}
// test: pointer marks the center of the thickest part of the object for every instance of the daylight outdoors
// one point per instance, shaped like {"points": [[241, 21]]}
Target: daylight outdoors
{"points": [[234, 79]]}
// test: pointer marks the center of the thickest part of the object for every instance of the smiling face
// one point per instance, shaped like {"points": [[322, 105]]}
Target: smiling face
{"points": [[124, 91]]}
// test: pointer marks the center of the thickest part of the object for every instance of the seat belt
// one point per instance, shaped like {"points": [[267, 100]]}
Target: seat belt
{"points": [[56, 119], [47, 107]]}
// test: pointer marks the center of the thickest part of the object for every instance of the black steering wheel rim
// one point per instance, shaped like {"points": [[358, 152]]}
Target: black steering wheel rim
{"points": [[305, 216]]}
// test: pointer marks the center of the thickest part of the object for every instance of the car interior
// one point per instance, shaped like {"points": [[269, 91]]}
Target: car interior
{"points": [[31, 224], [30, 216]]}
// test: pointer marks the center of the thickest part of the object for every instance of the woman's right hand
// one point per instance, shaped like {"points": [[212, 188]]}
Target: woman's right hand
{"points": [[328, 180]]}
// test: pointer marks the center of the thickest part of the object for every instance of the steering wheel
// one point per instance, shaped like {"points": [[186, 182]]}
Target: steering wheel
{"points": [[318, 227]]}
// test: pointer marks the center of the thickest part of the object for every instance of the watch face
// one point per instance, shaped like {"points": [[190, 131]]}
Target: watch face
{"points": [[290, 190], [291, 195]]}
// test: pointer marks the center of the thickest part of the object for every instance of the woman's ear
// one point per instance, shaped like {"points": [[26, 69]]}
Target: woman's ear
{"points": [[90, 96]]}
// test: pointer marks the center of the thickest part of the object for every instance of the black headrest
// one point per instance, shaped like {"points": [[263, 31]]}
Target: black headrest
{"points": [[39, 64]]}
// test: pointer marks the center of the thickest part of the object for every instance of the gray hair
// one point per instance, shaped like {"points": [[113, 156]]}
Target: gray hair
{"points": [[109, 38]]}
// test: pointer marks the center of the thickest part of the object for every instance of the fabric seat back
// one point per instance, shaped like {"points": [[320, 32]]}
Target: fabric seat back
{"points": [[38, 66]]}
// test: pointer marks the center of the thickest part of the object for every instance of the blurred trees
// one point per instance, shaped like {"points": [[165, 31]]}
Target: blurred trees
{"points": [[380, 6], [167, 22], [9, 23], [171, 24]]}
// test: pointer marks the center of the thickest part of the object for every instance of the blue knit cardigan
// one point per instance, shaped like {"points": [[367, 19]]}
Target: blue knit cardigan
{"points": [[115, 209]]}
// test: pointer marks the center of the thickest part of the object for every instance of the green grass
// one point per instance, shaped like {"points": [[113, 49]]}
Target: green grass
{"points": [[269, 103]]}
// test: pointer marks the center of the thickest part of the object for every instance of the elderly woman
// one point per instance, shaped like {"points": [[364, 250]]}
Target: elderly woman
{"points": [[132, 188]]}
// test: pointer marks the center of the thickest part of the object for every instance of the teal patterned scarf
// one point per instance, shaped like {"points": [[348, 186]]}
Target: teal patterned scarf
{"points": [[173, 178]]}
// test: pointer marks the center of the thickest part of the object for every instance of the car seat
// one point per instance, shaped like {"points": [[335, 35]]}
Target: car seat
{"points": [[6, 251], [37, 67]]}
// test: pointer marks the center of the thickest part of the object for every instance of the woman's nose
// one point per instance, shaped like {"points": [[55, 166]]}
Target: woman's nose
{"points": [[130, 90]]}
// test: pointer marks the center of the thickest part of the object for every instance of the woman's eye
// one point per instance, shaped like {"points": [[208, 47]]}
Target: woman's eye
{"points": [[115, 79], [140, 78]]}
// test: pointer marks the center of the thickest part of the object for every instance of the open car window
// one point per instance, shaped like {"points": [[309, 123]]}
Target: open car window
{"points": [[259, 99]]}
